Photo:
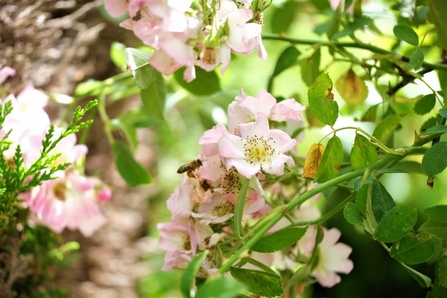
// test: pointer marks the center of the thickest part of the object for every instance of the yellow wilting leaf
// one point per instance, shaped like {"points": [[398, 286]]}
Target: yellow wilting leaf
{"points": [[312, 161], [352, 88]]}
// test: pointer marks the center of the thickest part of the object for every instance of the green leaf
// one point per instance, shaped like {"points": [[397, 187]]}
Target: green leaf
{"points": [[435, 159], [395, 224], [414, 248], [286, 60], [438, 16], [437, 129], [361, 198], [425, 104], [406, 33], [321, 100], [443, 112], [416, 59], [310, 67], [90, 87], [352, 88], [117, 54], [129, 121], [219, 287], [189, 276], [279, 240], [381, 200], [205, 83], [331, 27], [371, 114], [423, 280], [363, 153], [350, 28], [442, 272], [137, 61], [331, 160], [438, 229], [386, 127], [436, 213], [131, 171], [283, 17], [154, 97], [259, 282], [352, 214]]}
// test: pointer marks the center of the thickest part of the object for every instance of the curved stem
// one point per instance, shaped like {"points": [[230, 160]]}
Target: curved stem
{"points": [[363, 46], [276, 214]]}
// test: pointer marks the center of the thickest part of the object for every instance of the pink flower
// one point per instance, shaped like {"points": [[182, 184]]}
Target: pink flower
{"points": [[258, 147], [116, 8], [6, 72], [244, 108], [332, 256], [69, 202], [181, 239]]}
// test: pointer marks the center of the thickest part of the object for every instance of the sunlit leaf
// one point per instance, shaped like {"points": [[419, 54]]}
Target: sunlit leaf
{"points": [[286, 59], [154, 97], [205, 83], [350, 28], [321, 100], [425, 104], [283, 16], [310, 67], [279, 240], [406, 33], [331, 160], [131, 171], [438, 16], [414, 248], [312, 161], [117, 54], [416, 59], [258, 282], [363, 153], [396, 223], [386, 127], [137, 63], [352, 88], [435, 159]]}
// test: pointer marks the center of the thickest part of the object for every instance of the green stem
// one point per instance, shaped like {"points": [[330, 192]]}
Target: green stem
{"points": [[276, 214], [363, 46], [105, 118], [239, 208]]}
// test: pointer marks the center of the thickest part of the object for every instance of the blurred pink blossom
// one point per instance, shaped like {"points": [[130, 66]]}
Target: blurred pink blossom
{"points": [[71, 201]]}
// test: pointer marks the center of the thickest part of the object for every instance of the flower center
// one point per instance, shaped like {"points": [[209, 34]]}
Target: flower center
{"points": [[59, 190], [258, 150], [230, 182], [186, 242], [208, 55], [223, 209]]}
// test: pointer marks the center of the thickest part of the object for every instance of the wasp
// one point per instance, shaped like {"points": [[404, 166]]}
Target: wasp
{"points": [[190, 167]]}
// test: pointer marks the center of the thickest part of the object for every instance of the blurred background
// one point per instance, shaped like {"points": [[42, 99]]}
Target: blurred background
{"points": [[57, 44]]}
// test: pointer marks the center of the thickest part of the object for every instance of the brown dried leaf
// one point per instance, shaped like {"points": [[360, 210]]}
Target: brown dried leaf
{"points": [[352, 88], [312, 161]]}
